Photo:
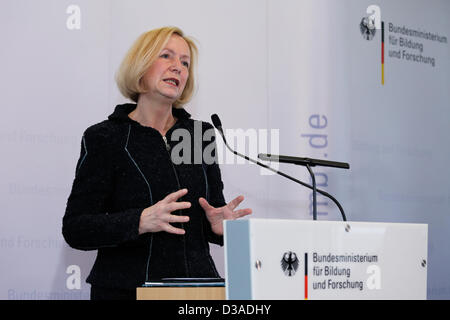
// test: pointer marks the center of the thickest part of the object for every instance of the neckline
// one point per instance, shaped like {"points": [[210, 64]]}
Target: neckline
{"points": [[172, 127], [121, 113]]}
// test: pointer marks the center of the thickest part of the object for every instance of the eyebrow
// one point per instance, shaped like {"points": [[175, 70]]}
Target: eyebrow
{"points": [[173, 52]]}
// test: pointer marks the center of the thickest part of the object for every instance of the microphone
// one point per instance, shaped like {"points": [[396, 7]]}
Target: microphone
{"points": [[308, 163], [218, 125], [216, 122], [303, 161]]}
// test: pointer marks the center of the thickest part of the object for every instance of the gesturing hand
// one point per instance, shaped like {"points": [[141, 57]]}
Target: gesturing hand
{"points": [[216, 216], [159, 218]]}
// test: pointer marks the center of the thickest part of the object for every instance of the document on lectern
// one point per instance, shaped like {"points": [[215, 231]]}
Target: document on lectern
{"points": [[186, 282]]}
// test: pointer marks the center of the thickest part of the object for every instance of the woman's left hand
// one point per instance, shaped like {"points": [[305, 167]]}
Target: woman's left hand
{"points": [[216, 216]]}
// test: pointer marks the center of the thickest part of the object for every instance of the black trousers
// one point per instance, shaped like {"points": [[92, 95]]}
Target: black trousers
{"points": [[100, 293]]}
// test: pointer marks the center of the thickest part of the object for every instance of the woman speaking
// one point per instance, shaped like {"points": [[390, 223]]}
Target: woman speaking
{"points": [[149, 217]]}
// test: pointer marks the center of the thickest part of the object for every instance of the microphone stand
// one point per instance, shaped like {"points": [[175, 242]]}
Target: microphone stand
{"points": [[217, 124], [313, 178], [308, 163]]}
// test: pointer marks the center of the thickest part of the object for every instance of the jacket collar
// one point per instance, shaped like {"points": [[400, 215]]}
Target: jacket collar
{"points": [[123, 110]]}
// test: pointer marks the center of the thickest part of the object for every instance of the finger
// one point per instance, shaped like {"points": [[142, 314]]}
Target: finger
{"points": [[242, 213], [177, 219], [205, 205], [171, 229], [174, 206], [174, 196], [235, 202]]}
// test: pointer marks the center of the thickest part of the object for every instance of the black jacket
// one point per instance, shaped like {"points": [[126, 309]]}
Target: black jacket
{"points": [[124, 168]]}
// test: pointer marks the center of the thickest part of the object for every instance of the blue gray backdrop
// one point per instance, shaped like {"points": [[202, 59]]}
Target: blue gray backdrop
{"points": [[300, 71]]}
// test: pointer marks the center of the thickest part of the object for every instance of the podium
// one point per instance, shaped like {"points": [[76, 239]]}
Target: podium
{"points": [[293, 259]]}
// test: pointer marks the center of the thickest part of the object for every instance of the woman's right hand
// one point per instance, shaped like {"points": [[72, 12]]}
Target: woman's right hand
{"points": [[159, 218]]}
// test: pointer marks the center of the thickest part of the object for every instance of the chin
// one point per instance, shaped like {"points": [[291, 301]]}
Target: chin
{"points": [[171, 98], [171, 95]]}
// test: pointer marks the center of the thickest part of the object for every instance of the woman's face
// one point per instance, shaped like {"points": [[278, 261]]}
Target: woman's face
{"points": [[167, 76]]}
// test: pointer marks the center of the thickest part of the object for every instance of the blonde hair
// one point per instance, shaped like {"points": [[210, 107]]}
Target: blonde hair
{"points": [[141, 56]]}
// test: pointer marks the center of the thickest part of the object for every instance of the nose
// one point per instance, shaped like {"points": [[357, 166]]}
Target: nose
{"points": [[176, 66]]}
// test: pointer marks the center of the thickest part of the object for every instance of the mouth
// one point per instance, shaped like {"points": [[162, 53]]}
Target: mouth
{"points": [[172, 81]]}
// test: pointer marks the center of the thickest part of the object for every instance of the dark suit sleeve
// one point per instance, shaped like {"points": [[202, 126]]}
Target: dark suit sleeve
{"points": [[87, 223]]}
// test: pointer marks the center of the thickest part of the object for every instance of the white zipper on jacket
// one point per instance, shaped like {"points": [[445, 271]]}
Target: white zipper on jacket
{"points": [[167, 144]]}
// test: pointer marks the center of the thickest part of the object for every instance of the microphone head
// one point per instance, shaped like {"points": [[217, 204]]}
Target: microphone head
{"points": [[216, 121]]}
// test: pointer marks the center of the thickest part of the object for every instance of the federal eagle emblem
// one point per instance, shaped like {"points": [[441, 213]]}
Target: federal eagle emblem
{"points": [[367, 28], [289, 263]]}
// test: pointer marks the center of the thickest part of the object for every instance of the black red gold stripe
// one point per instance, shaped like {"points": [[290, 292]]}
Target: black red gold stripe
{"points": [[306, 276]]}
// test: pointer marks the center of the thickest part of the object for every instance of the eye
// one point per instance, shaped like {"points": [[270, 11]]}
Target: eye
{"points": [[164, 55], [186, 64]]}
